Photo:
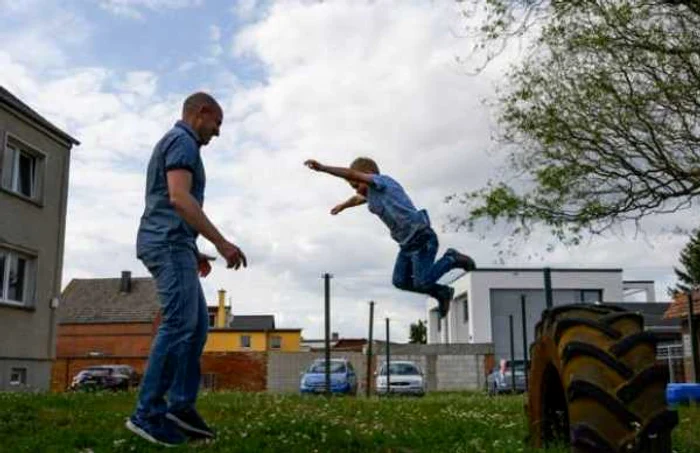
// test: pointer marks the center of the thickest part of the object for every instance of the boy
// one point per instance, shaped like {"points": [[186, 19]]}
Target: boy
{"points": [[416, 269]]}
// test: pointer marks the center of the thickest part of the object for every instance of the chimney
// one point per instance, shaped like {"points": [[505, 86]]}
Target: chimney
{"points": [[221, 314], [335, 336], [125, 286]]}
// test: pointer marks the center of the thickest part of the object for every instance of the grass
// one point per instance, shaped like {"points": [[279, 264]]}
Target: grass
{"points": [[256, 422]]}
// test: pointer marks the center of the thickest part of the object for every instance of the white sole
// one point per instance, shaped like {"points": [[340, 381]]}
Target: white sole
{"points": [[144, 435], [187, 427]]}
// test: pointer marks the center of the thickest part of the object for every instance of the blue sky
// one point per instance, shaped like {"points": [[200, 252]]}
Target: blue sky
{"points": [[298, 79]]}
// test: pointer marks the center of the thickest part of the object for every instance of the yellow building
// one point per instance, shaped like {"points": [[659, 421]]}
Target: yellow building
{"points": [[247, 332]]}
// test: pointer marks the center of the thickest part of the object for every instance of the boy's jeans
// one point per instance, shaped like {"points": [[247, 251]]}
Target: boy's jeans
{"points": [[416, 269], [173, 364]]}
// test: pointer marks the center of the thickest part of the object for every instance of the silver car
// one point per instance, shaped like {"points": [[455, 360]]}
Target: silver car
{"points": [[501, 379], [405, 378]]}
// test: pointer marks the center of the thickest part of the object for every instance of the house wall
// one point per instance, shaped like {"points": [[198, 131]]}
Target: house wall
{"points": [[114, 339], [291, 341], [38, 229], [228, 341]]}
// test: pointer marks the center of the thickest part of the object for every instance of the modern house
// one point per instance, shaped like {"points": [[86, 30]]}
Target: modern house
{"points": [[485, 300], [34, 168]]}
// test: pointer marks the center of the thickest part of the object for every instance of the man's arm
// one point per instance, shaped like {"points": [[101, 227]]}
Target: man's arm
{"points": [[341, 172], [179, 185], [353, 201]]}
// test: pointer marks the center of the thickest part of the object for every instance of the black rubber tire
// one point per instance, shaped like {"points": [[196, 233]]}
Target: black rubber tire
{"points": [[595, 384]]}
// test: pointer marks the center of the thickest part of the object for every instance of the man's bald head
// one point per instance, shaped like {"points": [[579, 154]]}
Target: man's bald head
{"points": [[202, 112], [195, 102]]}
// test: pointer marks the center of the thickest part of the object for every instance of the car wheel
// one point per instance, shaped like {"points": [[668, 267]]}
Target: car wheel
{"points": [[595, 384]]}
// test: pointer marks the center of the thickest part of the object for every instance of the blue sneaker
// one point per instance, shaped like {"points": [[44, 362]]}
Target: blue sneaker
{"points": [[461, 261], [159, 433], [191, 423]]}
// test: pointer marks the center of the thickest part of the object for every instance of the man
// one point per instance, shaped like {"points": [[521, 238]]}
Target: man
{"points": [[166, 244]]}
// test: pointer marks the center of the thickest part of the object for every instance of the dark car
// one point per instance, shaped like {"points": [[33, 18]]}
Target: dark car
{"points": [[343, 377], [501, 378], [106, 377]]}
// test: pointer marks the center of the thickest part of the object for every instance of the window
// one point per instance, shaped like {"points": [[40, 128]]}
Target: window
{"points": [[22, 169], [463, 299], [275, 342], [208, 381], [18, 376], [591, 295], [245, 341], [16, 278]]}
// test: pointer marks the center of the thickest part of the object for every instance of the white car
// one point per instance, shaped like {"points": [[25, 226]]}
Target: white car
{"points": [[405, 378]]}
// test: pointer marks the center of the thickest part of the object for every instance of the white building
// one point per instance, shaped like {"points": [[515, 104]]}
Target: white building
{"points": [[485, 298]]}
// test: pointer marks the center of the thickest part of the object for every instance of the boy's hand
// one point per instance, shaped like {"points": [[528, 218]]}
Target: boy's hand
{"points": [[203, 264], [337, 209], [314, 165]]}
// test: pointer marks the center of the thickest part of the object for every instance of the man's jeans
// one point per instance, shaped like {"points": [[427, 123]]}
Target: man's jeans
{"points": [[173, 364], [416, 269]]}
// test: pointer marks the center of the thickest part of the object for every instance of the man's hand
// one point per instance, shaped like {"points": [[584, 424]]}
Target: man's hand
{"points": [[232, 254], [337, 209], [203, 264], [314, 165]]}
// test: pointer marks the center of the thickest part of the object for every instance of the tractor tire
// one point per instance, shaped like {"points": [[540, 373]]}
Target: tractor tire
{"points": [[595, 384]]}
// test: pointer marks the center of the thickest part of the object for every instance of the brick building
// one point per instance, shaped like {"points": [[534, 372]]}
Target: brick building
{"points": [[107, 317]]}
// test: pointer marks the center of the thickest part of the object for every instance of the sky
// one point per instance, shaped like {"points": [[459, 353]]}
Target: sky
{"points": [[298, 79]]}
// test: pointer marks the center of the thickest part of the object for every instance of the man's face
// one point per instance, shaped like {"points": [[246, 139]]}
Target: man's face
{"points": [[209, 121]]}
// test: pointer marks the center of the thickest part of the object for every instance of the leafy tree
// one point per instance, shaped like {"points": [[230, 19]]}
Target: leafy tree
{"points": [[599, 120], [418, 333], [689, 274]]}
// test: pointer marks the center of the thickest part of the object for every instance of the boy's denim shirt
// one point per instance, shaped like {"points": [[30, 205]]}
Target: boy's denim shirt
{"points": [[161, 226], [388, 200]]}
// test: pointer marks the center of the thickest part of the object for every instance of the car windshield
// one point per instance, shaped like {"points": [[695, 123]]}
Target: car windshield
{"points": [[98, 371], [320, 367], [400, 369]]}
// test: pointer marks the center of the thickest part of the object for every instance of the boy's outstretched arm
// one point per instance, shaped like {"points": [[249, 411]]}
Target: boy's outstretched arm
{"points": [[341, 172], [353, 201]]}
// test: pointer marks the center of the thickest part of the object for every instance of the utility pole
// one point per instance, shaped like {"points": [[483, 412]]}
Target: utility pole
{"points": [[369, 349], [327, 293], [388, 360]]}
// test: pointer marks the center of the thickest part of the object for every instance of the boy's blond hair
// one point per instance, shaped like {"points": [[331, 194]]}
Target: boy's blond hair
{"points": [[365, 165]]}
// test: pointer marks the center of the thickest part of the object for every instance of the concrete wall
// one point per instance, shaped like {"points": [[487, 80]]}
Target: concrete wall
{"points": [[285, 368], [478, 285], [36, 229]]}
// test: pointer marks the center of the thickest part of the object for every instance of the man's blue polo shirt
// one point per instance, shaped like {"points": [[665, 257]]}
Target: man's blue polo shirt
{"points": [[161, 226]]}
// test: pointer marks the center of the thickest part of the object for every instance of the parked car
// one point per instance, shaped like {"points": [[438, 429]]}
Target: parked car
{"points": [[343, 377], [106, 377], [500, 379], [405, 378]]}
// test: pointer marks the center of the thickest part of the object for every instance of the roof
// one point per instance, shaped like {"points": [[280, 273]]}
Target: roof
{"points": [[98, 300], [252, 322], [15, 103], [679, 306], [653, 313]]}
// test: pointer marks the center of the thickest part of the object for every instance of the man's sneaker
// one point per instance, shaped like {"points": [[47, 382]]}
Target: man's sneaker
{"points": [[462, 261], [444, 299], [191, 423], [161, 433]]}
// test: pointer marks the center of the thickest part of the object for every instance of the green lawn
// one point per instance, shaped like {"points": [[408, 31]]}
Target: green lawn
{"points": [[249, 422]]}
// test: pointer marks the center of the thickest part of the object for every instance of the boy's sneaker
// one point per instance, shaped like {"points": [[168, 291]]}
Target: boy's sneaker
{"points": [[161, 433], [444, 299], [462, 261], [191, 423]]}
